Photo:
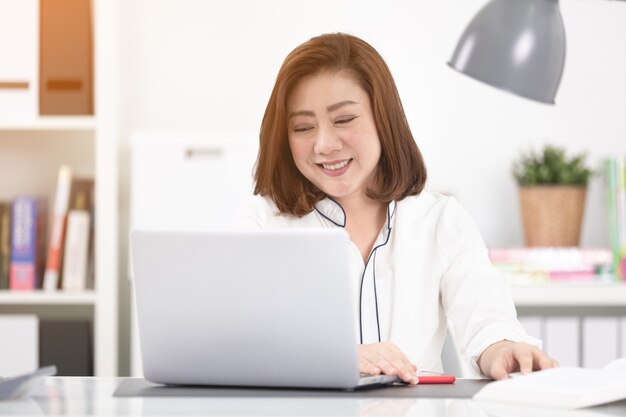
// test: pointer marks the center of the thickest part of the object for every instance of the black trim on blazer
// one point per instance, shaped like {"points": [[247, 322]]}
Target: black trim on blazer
{"points": [[391, 211], [373, 252], [331, 220]]}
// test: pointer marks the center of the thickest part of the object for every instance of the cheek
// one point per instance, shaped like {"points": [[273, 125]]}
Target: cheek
{"points": [[299, 148], [366, 140], [298, 152], [378, 151]]}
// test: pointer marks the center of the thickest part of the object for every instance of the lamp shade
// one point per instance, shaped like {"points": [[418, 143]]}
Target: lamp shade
{"points": [[515, 45]]}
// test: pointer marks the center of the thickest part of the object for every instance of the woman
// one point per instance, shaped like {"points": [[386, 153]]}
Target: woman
{"points": [[336, 151]]}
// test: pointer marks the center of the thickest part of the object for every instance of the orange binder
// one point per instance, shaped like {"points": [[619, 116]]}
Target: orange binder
{"points": [[66, 58]]}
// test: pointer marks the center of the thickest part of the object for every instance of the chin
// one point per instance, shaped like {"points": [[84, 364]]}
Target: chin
{"points": [[335, 193]]}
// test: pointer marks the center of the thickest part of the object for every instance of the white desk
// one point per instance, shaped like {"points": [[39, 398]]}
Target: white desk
{"points": [[69, 396]]}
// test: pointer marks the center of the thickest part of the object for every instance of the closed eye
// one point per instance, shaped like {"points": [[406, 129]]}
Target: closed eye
{"points": [[345, 120], [302, 128]]}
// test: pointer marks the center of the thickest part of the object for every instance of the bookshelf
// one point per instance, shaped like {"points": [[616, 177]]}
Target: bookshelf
{"points": [[51, 123], [31, 151], [572, 295], [47, 298]]}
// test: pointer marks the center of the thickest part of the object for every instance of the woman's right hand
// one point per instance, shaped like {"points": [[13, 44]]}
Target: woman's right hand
{"points": [[386, 358]]}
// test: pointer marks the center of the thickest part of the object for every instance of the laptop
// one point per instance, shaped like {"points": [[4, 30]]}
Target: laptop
{"points": [[259, 308]]}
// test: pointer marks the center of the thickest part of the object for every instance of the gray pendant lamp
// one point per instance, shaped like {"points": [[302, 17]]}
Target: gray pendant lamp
{"points": [[515, 45]]}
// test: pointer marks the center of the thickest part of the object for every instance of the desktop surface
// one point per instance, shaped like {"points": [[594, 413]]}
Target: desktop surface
{"points": [[89, 396]]}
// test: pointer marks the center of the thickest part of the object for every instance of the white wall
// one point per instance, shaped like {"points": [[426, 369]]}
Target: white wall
{"points": [[210, 65]]}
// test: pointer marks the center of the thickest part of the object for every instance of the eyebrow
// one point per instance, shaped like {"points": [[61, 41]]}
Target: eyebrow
{"points": [[329, 109]]}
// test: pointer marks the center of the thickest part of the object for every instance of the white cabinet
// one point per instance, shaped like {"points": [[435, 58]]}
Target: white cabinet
{"points": [[581, 325]]}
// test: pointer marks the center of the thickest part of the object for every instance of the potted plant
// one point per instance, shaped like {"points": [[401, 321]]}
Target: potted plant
{"points": [[552, 189]]}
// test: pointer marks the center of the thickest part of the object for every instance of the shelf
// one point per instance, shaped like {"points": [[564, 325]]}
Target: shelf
{"points": [[608, 295], [45, 123], [47, 297]]}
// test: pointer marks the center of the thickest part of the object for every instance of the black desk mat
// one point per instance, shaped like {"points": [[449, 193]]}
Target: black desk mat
{"points": [[462, 388]]}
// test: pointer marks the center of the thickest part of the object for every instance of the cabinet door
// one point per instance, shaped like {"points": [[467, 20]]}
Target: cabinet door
{"points": [[190, 182], [562, 340], [601, 343], [19, 58], [19, 349]]}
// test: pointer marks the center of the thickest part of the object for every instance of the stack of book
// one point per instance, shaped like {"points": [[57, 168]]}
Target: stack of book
{"points": [[23, 223], [615, 175], [528, 266]]}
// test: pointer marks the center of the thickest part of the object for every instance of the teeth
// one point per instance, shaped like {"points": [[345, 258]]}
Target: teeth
{"points": [[336, 166]]}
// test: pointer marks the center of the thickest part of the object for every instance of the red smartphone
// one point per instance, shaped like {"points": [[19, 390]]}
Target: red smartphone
{"points": [[436, 379]]}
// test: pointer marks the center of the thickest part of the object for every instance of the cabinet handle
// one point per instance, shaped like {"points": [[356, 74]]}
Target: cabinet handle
{"points": [[191, 153], [14, 85], [62, 84]]}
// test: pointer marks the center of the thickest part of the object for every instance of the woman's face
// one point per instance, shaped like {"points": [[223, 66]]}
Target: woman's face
{"points": [[332, 134]]}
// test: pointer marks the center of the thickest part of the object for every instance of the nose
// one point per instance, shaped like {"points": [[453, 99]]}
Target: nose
{"points": [[327, 141]]}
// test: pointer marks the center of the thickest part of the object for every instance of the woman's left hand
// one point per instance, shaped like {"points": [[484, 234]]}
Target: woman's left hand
{"points": [[504, 357]]}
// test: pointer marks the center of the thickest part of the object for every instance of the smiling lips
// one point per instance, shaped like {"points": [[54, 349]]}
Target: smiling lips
{"points": [[335, 168]]}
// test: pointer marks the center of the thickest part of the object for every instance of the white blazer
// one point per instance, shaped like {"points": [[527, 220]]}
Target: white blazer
{"points": [[429, 263]]}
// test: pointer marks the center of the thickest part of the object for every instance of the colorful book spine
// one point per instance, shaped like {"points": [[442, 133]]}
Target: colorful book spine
{"points": [[76, 256], [546, 265], [26, 249], [5, 244], [610, 170], [620, 197], [52, 275]]}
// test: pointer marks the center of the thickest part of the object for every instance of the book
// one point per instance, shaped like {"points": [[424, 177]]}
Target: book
{"points": [[5, 244], [82, 194], [66, 58], [80, 254], [615, 185], [76, 252], [52, 274], [27, 243], [560, 388], [550, 265], [492, 409], [620, 198], [610, 176]]}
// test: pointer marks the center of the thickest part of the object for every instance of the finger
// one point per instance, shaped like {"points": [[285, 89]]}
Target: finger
{"points": [[382, 364], [399, 361], [541, 361], [406, 373], [555, 363], [393, 352], [525, 360], [499, 367], [498, 370], [367, 367]]}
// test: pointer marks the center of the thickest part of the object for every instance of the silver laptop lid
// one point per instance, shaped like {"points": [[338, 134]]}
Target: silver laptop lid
{"points": [[246, 307]]}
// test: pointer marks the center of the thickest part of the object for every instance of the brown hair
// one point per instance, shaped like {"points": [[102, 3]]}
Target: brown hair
{"points": [[401, 171]]}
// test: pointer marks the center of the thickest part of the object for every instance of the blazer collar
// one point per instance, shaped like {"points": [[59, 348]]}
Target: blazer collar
{"points": [[332, 211]]}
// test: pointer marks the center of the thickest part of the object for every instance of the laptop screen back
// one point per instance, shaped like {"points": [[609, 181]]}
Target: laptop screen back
{"points": [[246, 307]]}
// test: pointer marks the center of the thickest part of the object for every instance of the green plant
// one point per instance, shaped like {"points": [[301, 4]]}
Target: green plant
{"points": [[551, 166]]}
